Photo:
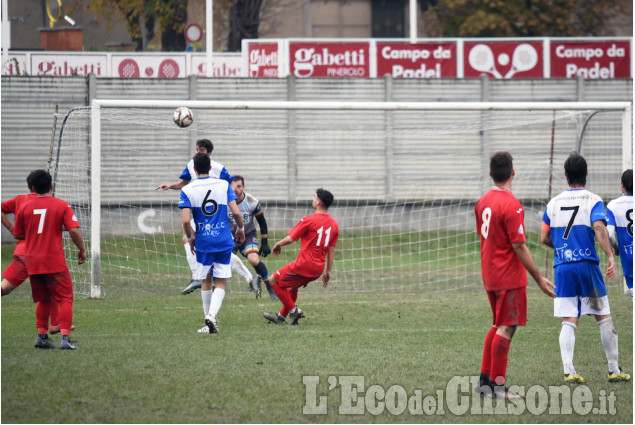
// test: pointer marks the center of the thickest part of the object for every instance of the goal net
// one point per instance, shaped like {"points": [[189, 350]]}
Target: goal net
{"points": [[405, 177]]}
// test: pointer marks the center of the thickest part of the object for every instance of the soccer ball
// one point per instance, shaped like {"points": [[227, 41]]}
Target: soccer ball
{"points": [[183, 117]]}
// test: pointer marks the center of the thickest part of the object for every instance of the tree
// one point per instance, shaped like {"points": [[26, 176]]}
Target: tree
{"points": [[520, 18], [141, 17]]}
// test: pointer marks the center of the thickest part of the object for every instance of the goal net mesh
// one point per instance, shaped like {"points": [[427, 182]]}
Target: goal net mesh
{"points": [[405, 184]]}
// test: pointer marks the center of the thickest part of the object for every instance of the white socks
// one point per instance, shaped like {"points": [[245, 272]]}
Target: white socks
{"points": [[567, 345], [609, 341], [206, 296], [217, 300], [240, 268], [191, 259]]}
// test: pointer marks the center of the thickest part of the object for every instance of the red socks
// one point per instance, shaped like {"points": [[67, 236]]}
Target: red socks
{"points": [[286, 297], [55, 313], [66, 317], [500, 349], [487, 351], [42, 310]]}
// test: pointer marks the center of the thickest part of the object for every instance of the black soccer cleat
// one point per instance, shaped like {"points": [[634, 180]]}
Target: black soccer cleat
{"points": [[274, 318], [43, 342], [67, 344], [293, 318]]}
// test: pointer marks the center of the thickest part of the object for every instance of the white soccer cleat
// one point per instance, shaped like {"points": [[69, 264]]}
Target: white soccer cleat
{"points": [[204, 330], [211, 323]]}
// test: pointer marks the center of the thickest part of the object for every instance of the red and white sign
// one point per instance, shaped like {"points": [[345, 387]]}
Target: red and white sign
{"points": [[223, 65], [505, 59], [425, 60], [263, 60], [67, 65], [148, 66], [193, 33], [329, 59], [15, 65], [593, 60]]}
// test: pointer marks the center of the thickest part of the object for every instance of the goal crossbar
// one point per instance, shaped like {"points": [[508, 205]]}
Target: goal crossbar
{"points": [[97, 104]]}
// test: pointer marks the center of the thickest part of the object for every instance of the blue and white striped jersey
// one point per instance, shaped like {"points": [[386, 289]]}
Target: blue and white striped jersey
{"points": [[570, 216], [619, 213], [208, 198], [216, 170]]}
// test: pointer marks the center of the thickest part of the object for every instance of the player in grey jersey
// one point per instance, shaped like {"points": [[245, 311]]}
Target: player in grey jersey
{"points": [[251, 211]]}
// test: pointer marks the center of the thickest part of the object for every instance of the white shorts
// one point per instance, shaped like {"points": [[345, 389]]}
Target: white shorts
{"points": [[576, 306], [215, 263]]}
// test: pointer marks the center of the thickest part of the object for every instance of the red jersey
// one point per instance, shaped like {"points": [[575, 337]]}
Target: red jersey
{"points": [[500, 222], [318, 232], [41, 222], [12, 206]]}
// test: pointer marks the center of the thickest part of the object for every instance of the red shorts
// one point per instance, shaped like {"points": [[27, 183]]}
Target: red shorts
{"points": [[288, 279], [509, 307], [56, 285], [16, 272]]}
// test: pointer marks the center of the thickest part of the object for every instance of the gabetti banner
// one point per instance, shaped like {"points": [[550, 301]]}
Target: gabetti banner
{"points": [[592, 60], [329, 59], [262, 60], [419, 60], [499, 58], [121, 65]]}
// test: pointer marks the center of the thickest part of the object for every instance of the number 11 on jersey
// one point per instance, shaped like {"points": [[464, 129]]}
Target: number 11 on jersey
{"points": [[328, 236]]}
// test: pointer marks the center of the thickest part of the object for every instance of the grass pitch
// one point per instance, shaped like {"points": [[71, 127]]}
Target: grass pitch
{"points": [[142, 361]]}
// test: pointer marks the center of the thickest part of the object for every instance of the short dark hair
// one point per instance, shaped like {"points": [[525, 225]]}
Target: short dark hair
{"points": [[39, 181], [576, 169], [206, 144], [239, 178], [325, 197], [201, 163], [501, 166], [627, 180]]}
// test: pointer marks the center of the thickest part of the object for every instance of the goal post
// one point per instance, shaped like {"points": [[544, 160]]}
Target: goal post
{"points": [[364, 152]]}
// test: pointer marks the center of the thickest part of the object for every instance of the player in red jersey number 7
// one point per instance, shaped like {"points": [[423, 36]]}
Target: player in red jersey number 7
{"points": [[504, 258], [318, 234]]}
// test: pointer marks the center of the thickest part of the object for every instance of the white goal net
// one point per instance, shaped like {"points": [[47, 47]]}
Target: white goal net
{"points": [[405, 177]]}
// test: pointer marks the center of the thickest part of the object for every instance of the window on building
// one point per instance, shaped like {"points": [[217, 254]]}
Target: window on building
{"points": [[388, 18]]}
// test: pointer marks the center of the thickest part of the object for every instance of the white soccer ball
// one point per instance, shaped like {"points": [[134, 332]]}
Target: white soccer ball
{"points": [[183, 117]]}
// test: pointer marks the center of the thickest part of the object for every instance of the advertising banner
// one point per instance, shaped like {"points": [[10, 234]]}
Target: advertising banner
{"points": [[421, 60], [332, 59], [592, 60], [262, 60], [503, 59], [56, 65], [223, 65], [160, 66]]}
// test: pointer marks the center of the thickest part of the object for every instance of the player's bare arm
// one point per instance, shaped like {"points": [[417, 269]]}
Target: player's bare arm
{"points": [[174, 186], [326, 277], [240, 232], [545, 236], [78, 240], [187, 227], [524, 255], [6, 223], [603, 238], [277, 248]]}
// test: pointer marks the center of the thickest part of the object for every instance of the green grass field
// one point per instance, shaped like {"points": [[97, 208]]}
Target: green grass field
{"points": [[142, 361]]}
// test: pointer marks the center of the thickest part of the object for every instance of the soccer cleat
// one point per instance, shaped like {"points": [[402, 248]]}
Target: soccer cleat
{"points": [[293, 318], [56, 329], [272, 293], [255, 286], [204, 330], [622, 377], [274, 318], [502, 392], [67, 344], [44, 343], [484, 386], [211, 323], [574, 379], [194, 285]]}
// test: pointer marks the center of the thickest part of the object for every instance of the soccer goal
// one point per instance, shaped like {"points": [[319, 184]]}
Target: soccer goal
{"points": [[405, 176]]}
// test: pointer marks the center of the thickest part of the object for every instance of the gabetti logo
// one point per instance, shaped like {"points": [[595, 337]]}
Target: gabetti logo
{"points": [[306, 59], [261, 58]]}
